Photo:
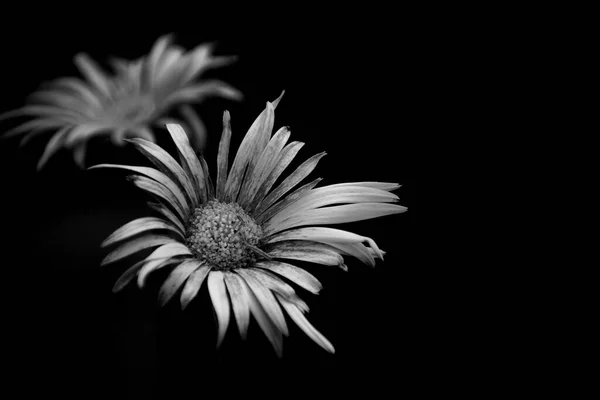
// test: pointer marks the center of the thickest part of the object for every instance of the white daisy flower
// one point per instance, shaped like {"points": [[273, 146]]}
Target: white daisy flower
{"points": [[241, 236], [138, 95]]}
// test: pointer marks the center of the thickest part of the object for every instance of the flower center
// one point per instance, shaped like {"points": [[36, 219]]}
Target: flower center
{"points": [[223, 235]]}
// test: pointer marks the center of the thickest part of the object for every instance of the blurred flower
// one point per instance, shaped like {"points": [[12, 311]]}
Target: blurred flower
{"points": [[239, 235], [138, 95]]}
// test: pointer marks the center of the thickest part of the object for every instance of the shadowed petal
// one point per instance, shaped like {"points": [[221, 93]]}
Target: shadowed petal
{"points": [[198, 130], [166, 250], [238, 292], [169, 215], [272, 282], [223, 156], [176, 279], [94, 75], [305, 251], [297, 275], [191, 163], [266, 300], [264, 166], [287, 200], [158, 190], [265, 322], [292, 180], [154, 174], [52, 147], [193, 284], [167, 164], [128, 275], [220, 301]]}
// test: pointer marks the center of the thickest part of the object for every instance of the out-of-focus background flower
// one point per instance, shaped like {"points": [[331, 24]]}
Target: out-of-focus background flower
{"points": [[359, 94]]}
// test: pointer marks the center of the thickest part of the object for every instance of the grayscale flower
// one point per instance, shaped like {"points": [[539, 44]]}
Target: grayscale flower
{"points": [[138, 95], [240, 235]]}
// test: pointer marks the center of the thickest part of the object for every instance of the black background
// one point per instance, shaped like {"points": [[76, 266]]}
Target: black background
{"points": [[360, 93]]}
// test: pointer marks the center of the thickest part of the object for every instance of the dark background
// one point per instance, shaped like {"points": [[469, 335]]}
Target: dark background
{"points": [[360, 94]]}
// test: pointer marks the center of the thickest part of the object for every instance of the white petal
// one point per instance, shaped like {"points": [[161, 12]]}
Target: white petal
{"points": [[52, 147], [264, 321], [263, 167], [284, 159], [324, 235], [266, 300], [292, 180], [306, 251], [166, 250], [169, 215], [193, 284], [238, 292], [138, 226], [158, 190], [306, 326], [167, 164], [338, 215], [220, 301], [176, 279], [93, 73], [272, 282], [157, 176], [191, 164], [133, 246], [297, 275]]}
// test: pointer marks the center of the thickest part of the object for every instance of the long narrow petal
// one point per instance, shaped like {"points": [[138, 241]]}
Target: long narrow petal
{"points": [[360, 251], [210, 189], [297, 275], [166, 250], [305, 251], [169, 215], [298, 175], [272, 282], [154, 174], [139, 225], [287, 200], [154, 58], [158, 190], [324, 235], [306, 326], [238, 292], [264, 166], [223, 156], [266, 300], [253, 142], [52, 147], [220, 301], [176, 278], [133, 246], [326, 196], [78, 86], [167, 164], [272, 332], [283, 160], [93, 74], [198, 130], [191, 163], [131, 272], [338, 215], [193, 284], [200, 91], [38, 123]]}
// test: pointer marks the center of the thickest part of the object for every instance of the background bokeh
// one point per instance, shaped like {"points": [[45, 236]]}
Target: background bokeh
{"points": [[359, 94]]}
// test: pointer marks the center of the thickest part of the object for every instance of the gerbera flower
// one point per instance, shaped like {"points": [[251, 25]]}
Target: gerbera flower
{"points": [[138, 95], [240, 235]]}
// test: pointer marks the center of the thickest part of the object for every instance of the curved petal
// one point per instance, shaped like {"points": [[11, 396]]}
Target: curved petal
{"points": [[306, 251], [138, 226], [238, 292], [176, 278], [306, 326], [297, 275], [193, 284], [158, 190], [220, 301], [168, 250], [133, 246], [223, 156]]}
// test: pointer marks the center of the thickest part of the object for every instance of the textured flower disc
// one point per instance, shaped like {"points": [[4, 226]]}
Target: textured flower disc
{"points": [[242, 235], [139, 95]]}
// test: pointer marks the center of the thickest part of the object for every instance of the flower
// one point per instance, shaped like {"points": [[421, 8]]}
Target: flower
{"points": [[126, 104], [239, 235]]}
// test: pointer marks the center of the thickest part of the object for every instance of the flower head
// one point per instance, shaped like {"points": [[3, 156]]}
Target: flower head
{"points": [[242, 235], [128, 103]]}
